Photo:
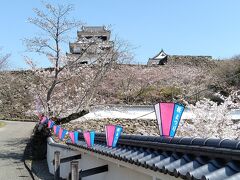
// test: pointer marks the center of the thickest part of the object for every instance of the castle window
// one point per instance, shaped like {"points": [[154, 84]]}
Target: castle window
{"points": [[104, 38], [84, 62]]}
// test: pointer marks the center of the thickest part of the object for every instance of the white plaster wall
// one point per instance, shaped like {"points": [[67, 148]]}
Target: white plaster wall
{"points": [[141, 111], [117, 170], [64, 152], [126, 112]]}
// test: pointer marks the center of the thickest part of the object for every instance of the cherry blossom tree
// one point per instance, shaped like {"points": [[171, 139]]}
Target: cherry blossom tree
{"points": [[213, 120], [3, 60], [67, 86], [54, 23]]}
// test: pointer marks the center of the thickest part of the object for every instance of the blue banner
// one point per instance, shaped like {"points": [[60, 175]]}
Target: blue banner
{"points": [[64, 134], [50, 124], [118, 131], [57, 130], [75, 137], [92, 136], [178, 110]]}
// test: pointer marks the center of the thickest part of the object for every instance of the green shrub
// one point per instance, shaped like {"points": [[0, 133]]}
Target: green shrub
{"points": [[169, 92]]}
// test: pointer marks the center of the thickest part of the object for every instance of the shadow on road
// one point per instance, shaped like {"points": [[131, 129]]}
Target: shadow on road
{"points": [[35, 154], [17, 142], [40, 169], [12, 155], [12, 149]]}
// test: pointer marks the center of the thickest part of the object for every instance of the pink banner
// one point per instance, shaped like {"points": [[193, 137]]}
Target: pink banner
{"points": [[54, 129], [87, 138], [49, 123], [40, 116], [43, 120], [71, 134], [166, 117], [110, 130]]}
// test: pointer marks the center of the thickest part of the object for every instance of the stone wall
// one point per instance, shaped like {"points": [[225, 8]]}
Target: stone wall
{"points": [[182, 60], [130, 126], [15, 96], [190, 60], [137, 126], [125, 84]]}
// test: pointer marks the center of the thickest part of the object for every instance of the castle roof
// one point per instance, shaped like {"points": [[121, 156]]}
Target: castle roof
{"points": [[184, 157], [160, 55], [94, 29]]}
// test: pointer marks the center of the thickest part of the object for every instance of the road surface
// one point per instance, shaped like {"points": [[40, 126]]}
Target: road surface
{"points": [[13, 138]]}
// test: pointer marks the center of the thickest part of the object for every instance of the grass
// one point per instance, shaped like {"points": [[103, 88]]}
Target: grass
{"points": [[19, 119], [2, 124]]}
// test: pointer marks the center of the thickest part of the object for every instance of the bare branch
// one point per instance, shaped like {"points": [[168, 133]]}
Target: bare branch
{"points": [[68, 81], [4, 60]]}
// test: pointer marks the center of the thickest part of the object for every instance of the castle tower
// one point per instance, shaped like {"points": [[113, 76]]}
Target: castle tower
{"points": [[159, 59], [92, 42]]}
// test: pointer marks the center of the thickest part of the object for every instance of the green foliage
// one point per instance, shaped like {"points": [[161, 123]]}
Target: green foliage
{"points": [[2, 124], [151, 94], [228, 72], [169, 92]]}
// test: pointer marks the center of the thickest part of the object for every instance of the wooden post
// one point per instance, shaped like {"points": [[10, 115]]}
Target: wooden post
{"points": [[74, 170], [57, 165]]}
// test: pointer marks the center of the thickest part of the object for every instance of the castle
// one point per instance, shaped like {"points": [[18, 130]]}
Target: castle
{"points": [[94, 41], [162, 58]]}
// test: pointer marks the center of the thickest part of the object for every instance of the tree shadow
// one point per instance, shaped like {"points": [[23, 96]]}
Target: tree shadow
{"points": [[11, 155], [40, 169], [17, 142], [14, 149]]}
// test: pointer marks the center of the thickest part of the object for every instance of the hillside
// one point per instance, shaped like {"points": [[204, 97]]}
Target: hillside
{"points": [[124, 84]]}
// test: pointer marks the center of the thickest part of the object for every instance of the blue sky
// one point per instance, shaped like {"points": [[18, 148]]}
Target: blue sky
{"points": [[186, 27]]}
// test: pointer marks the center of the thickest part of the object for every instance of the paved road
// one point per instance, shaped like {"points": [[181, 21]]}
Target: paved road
{"points": [[13, 138]]}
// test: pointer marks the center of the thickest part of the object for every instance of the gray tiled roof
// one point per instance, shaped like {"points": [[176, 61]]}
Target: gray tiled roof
{"points": [[93, 28], [188, 158]]}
